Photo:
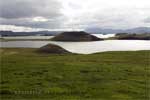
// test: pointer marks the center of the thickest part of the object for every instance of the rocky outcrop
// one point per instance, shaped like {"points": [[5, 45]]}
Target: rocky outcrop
{"points": [[52, 49]]}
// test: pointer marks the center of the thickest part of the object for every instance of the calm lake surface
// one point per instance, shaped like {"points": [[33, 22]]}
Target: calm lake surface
{"points": [[79, 47], [49, 37], [28, 37], [84, 47]]}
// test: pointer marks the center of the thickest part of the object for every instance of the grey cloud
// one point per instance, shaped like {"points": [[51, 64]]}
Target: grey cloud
{"points": [[21, 13], [74, 6], [56, 23], [29, 8], [147, 20], [98, 20]]}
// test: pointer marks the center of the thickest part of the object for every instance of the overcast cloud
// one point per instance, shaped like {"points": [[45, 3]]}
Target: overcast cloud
{"points": [[147, 20], [74, 14]]}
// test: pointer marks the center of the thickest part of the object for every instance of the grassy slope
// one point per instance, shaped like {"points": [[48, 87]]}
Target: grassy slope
{"points": [[103, 76]]}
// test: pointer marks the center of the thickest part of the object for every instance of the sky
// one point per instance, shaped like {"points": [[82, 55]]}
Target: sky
{"points": [[35, 15]]}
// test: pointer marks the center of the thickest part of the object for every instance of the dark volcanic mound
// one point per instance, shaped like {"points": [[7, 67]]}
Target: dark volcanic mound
{"points": [[75, 36], [52, 49], [126, 36]]}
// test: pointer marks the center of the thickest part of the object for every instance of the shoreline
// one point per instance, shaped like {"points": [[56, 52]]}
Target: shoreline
{"points": [[25, 48]]}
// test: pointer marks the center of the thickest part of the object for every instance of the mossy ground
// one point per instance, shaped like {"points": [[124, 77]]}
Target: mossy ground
{"points": [[26, 74]]}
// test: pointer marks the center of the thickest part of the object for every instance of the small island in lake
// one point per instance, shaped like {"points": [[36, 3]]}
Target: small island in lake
{"points": [[75, 36], [133, 36]]}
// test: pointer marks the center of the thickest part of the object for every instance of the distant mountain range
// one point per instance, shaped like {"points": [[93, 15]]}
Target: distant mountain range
{"points": [[38, 33], [105, 31], [89, 30]]}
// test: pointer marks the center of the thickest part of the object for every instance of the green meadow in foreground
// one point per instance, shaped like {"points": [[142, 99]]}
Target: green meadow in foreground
{"points": [[26, 74]]}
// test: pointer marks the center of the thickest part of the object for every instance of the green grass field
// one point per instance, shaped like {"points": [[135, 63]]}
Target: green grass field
{"points": [[26, 74]]}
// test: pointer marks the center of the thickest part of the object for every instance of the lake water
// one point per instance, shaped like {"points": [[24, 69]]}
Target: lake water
{"points": [[104, 36], [84, 47], [28, 37], [80, 47]]}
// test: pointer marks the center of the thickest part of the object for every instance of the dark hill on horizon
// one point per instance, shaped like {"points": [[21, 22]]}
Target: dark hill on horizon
{"points": [[127, 36], [75, 36]]}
